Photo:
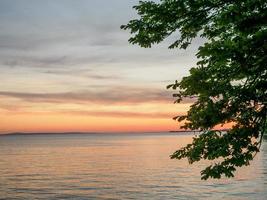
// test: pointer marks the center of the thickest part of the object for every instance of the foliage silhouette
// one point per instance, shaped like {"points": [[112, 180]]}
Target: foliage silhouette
{"points": [[229, 81]]}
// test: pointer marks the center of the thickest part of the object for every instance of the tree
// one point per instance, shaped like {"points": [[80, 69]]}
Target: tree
{"points": [[230, 78]]}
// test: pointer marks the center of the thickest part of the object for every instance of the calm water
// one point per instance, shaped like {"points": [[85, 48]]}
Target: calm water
{"points": [[115, 167]]}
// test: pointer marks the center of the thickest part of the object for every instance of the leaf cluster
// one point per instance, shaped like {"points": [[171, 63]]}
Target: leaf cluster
{"points": [[229, 80]]}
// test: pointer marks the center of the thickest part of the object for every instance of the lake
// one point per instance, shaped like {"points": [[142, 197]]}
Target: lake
{"points": [[116, 166]]}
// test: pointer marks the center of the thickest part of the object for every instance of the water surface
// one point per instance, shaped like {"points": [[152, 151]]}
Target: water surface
{"points": [[116, 166]]}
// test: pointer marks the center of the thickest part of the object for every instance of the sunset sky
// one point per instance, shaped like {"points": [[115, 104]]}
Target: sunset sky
{"points": [[67, 66]]}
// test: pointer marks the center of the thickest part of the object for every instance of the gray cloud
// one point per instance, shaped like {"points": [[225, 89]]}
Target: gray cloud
{"points": [[119, 95], [86, 73], [65, 34]]}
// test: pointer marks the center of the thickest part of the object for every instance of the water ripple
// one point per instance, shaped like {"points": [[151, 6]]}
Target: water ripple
{"points": [[119, 167]]}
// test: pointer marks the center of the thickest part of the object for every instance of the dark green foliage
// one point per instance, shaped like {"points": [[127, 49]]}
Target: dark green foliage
{"points": [[229, 82]]}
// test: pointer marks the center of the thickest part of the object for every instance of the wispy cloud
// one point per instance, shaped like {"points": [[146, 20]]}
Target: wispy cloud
{"points": [[86, 73], [120, 95], [114, 114]]}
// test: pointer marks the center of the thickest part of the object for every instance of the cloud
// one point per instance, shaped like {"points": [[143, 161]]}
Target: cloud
{"points": [[73, 34], [94, 113], [115, 95], [118, 114], [79, 72]]}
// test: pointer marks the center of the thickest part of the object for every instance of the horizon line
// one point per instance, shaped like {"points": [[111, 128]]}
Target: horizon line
{"points": [[90, 132], [103, 132]]}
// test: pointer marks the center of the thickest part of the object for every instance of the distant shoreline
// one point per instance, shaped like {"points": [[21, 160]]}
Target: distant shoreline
{"points": [[99, 133]]}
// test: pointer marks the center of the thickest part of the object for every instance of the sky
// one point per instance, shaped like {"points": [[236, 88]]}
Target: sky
{"points": [[67, 66]]}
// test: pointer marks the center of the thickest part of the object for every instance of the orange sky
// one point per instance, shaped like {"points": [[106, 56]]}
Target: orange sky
{"points": [[54, 117], [69, 123]]}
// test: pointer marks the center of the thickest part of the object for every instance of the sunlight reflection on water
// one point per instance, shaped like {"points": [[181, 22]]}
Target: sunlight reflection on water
{"points": [[115, 167]]}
